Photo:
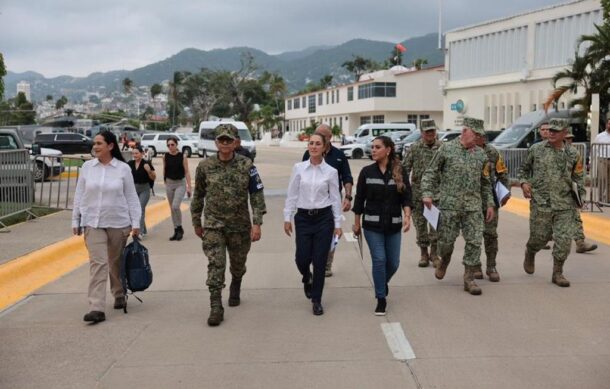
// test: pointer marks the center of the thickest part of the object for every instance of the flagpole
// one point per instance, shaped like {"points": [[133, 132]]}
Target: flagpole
{"points": [[440, 23]]}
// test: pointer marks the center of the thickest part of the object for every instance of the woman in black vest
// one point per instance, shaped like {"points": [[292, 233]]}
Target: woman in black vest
{"points": [[177, 182], [143, 174], [383, 196]]}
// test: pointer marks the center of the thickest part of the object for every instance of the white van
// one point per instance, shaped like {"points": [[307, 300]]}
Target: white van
{"points": [[207, 136], [365, 131]]}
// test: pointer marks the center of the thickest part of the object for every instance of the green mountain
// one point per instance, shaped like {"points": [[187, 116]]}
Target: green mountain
{"points": [[297, 67]]}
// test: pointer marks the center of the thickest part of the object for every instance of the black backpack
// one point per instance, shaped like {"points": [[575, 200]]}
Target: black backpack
{"points": [[136, 273]]}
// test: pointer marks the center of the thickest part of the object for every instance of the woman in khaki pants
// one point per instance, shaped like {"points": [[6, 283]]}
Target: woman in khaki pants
{"points": [[106, 206]]}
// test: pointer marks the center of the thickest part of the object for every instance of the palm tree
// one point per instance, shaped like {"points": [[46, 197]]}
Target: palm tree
{"points": [[419, 62], [175, 87]]}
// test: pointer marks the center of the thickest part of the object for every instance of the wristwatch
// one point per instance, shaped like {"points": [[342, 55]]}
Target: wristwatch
{"points": [[349, 197]]}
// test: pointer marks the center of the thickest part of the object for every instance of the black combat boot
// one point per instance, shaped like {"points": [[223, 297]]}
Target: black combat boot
{"points": [[216, 310], [234, 290]]}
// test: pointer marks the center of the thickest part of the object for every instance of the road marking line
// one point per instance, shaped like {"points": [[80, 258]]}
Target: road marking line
{"points": [[22, 276], [397, 341], [349, 236]]}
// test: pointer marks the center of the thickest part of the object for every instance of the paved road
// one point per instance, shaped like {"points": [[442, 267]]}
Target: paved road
{"points": [[521, 333]]}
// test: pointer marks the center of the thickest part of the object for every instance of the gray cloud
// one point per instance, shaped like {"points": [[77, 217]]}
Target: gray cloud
{"points": [[78, 37]]}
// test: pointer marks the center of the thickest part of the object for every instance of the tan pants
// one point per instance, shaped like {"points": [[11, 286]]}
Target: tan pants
{"points": [[105, 246]]}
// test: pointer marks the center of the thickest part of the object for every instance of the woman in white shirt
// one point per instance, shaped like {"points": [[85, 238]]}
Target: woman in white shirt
{"points": [[106, 206], [313, 193]]}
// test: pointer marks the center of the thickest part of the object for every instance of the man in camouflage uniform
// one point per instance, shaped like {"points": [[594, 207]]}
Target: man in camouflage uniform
{"points": [[458, 172], [582, 246], [223, 184], [546, 177], [415, 163], [498, 172]]}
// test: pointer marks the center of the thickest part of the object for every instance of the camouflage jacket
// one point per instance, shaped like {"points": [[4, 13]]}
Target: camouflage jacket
{"points": [[551, 173], [416, 162], [221, 194], [460, 176]]}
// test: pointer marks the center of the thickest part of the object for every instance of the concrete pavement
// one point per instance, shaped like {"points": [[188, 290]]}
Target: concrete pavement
{"points": [[523, 332]]}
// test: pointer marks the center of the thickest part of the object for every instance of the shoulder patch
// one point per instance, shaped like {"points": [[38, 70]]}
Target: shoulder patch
{"points": [[578, 168], [486, 170], [500, 166]]}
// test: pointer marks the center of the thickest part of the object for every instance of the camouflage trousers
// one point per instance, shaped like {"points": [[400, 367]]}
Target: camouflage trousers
{"points": [[490, 238], [546, 225], [426, 235], [471, 225], [216, 243], [580, 232]]}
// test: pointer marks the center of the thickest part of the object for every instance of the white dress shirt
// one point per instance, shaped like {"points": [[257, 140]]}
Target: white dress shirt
{"points": [[313, 187], [106, 196]]}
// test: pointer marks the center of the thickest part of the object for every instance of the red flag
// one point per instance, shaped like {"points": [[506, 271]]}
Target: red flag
{"points": [[401, 48]]}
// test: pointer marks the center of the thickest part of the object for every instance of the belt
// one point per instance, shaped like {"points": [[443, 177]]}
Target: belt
{"points": [[313, 212]]}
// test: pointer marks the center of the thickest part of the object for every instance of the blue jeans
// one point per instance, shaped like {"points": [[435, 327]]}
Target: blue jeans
{"points": [[385, 255], [143, 191]]}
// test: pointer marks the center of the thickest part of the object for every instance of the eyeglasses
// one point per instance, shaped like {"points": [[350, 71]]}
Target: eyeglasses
{"points": [[225, 141]]}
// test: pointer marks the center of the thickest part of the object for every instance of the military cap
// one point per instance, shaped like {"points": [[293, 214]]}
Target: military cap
{"points": [[569, 134], [226, 131], [558, 124], [475, 125], [428, 124]]}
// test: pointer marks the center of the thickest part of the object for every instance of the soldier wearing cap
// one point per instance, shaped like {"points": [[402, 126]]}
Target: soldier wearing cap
{"points": [[547, 177], [415, 163], [498, 172], [582, 246], [459, 173], [223, 185]]}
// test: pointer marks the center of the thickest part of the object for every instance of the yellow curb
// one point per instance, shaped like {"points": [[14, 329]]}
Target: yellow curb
{"points": [[73, 174], [22, 276], [596, 227]]}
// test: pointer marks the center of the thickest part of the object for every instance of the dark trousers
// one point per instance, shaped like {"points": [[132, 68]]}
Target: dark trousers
{"points": [[313, 234]]}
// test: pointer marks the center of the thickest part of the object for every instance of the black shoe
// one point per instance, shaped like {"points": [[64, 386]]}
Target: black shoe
{"points": [[173, 237], [235, 290], [317, 309], [95, 317], [179, 233], [381, 305], [307, 286], [120, 302]]}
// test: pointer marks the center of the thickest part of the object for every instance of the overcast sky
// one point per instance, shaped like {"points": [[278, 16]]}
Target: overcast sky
{"points": [[78, 37]]}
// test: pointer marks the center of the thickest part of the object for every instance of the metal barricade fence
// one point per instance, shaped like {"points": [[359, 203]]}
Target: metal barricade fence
{"points": [[600, 174], [513, 158], [56, 183], [16, 183]]}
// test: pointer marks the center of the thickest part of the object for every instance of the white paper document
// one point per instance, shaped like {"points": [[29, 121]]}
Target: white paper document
{"points": [[501, 192], [334, 243], [432, 215]]}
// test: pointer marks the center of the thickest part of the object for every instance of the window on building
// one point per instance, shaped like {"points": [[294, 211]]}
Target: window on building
{"points": [[312, 103], [502, 115], [320, 98], [494, 115], [304, 101], [487, 114], [350, 93], [534, 107], [332, 97], [289, 105], [518, 112], [510, 117], [377, 89], [297, 103], [327, 97], [365, 120], [337, 96], [412, 119], [378, 119]]}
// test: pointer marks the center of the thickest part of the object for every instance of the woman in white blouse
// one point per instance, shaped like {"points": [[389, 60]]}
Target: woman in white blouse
{"points": [[313, 193], [106, 206]]}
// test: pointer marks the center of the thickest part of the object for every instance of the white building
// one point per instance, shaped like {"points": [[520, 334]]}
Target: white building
{"points": [[501, 69], [24, 86], [394, 95]]}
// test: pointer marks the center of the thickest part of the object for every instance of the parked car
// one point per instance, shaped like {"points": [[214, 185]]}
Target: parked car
{"points": [[46, 162], [353, 150], [207, 136], [67, 142], [156, 143], [366, 131]]}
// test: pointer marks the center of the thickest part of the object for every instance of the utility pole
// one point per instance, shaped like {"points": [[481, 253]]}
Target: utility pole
{"points": [[440, 24]]}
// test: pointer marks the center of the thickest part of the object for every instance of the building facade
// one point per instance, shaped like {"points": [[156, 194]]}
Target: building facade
{"points": [[386, 96], [23, 86], [501, 69]]}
